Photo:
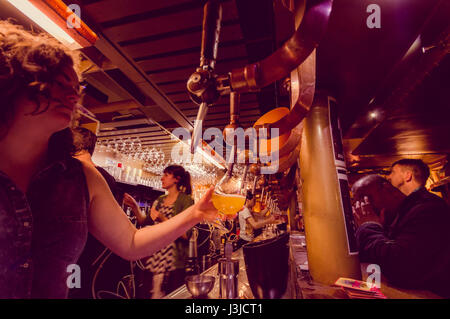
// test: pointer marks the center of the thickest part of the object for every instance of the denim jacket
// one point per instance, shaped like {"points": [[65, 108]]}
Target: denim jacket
{"points": [[43, 231]]}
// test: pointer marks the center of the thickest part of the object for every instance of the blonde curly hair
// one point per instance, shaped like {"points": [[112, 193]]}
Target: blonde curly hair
{"points": [[29, 63]]}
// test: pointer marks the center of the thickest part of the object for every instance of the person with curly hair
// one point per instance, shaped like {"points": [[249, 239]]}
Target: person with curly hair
{"points": [[49, 200]]}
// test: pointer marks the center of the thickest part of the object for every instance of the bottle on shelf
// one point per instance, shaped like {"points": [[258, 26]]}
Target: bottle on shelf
{"points": [[118, 172]]}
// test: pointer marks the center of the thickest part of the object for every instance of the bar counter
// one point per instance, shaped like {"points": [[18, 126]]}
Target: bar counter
{"points": [[244, 290], [300, 284]]}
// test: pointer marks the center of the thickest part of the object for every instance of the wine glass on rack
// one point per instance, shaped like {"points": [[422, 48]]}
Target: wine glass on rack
{"points": [[116, 145]]}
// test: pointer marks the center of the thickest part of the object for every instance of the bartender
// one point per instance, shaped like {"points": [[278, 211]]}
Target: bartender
{"points": [[248, 223]]}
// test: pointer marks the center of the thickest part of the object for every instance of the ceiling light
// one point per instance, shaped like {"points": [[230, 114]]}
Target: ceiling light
{"points": [[52, 16]]}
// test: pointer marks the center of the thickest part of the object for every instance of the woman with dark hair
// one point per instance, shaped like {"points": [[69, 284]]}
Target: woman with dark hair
{"points": [[183, 178], [168, 264], [49, 200]]}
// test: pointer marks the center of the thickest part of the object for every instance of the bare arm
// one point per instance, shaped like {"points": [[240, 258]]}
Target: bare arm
{"points": [[131, 202], [156, 216], [261, 223], [110, 225]]}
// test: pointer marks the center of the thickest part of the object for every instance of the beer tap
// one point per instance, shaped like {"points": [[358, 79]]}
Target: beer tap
{"points": [[205, 87], [230, 136], [201, 85], [230, 165], [234, 116], [231, 161], [265, 198], [262, 194], [244, 176], [254, 185]]}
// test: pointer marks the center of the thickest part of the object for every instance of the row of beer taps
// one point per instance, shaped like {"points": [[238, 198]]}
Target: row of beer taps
{"points": [[205, 86]]}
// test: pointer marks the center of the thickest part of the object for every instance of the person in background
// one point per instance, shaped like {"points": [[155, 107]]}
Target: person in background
{"points": [[168, 264], [48, 199], [411, 243], [247, 222], [409, 176], [84, 142], [381, 194]]}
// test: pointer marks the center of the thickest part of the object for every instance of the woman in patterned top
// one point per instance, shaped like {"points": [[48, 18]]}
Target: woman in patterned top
{"points": [[169, 262]]}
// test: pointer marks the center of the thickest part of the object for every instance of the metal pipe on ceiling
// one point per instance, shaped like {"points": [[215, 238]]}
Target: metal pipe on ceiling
{"points": [[294, 51]]}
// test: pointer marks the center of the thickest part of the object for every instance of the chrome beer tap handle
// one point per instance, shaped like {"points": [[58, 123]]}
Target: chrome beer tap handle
{"points": [[201, 85]]}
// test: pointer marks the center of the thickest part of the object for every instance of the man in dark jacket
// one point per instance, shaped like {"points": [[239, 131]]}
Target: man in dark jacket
{"points": [[413, 251], [409, 175]]}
